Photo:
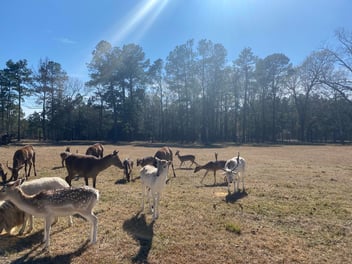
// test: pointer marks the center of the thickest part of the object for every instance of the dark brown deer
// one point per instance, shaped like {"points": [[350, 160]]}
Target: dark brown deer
{"points": [[23, 157], [96, 150], [87, 166], [149, 160], [64, 155], [3, 174]]}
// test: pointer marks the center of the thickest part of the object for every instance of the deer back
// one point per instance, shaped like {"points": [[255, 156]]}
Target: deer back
{"points": [[164, 153], [96, 150]]}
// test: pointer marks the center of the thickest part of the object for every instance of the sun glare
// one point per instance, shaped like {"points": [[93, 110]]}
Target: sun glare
{"points": [[138, 21]]}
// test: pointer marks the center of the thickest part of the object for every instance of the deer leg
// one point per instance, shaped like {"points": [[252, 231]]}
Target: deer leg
{"points": [[173, 169], [25, 170], [94, 222], [30, 168], [144, 193], [214, 177], [157, 205], [68, 179], [48, 221], [31, 218], [35, 171], [154, 195], [86, 180], [70, 223], [205, 174], [26, 216]]}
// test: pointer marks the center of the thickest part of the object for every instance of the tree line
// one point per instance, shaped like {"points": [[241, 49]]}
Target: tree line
{"points": [[194, 95]]}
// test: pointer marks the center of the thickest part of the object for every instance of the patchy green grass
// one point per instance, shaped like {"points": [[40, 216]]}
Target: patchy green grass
{"points": [[296, 209], [233, 227]]}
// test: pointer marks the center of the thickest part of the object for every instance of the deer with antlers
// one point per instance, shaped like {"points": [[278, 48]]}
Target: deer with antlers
{"points": [[23, 157]]}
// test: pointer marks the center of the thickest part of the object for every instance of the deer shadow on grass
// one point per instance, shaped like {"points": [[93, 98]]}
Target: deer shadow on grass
{"points": [[124, 180], [57, 168], [234, 197], [143, 233], [14, 243], [36, 253], [185, 168], [42, 257], [217, 184]]}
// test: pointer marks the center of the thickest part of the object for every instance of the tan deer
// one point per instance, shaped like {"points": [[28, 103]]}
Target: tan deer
{"points": [[211, 166], [87, 166], [165, 153], [54, 203], [184, 158], [23, 157]]}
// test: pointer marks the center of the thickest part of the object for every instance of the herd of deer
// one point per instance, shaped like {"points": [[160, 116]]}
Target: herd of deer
{"points": [[50, 197]]}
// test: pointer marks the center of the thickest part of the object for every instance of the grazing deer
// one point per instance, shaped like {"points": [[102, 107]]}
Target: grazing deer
{"points": [[54, 203], [23, 157], [96, 150], [211, 166], [235, 170], [88, 166], [153, 180], [184, 158], [165, 153]]}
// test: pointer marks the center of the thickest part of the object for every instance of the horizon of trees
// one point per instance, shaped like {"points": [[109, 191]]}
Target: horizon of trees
{"points": [[192, 95]]}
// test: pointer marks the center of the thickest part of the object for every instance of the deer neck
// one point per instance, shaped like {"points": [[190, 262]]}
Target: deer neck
{"points": [[24, 202], [106, 162]]}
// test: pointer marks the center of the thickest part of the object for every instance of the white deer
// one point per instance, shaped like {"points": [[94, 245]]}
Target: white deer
{"points": [[154, 180], [235, 170], [54, 203]]}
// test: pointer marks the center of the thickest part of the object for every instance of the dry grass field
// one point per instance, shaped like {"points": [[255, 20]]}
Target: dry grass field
{"points": [[297, 209]]}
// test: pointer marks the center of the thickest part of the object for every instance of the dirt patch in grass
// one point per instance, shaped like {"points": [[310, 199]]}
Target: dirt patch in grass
{"points": [[296, 209]]}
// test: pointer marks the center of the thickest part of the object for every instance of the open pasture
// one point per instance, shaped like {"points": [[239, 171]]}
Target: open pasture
{"points": [[297, 209]]}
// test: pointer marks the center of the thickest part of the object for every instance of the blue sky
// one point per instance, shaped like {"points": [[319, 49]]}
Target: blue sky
{"points": [[67, 31]]}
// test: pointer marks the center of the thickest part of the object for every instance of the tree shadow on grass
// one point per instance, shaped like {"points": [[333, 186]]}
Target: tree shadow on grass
{"points": [[143, 233], [234, 197]]}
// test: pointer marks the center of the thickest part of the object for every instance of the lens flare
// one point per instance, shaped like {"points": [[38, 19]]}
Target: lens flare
{"points": [[138, 21]]}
